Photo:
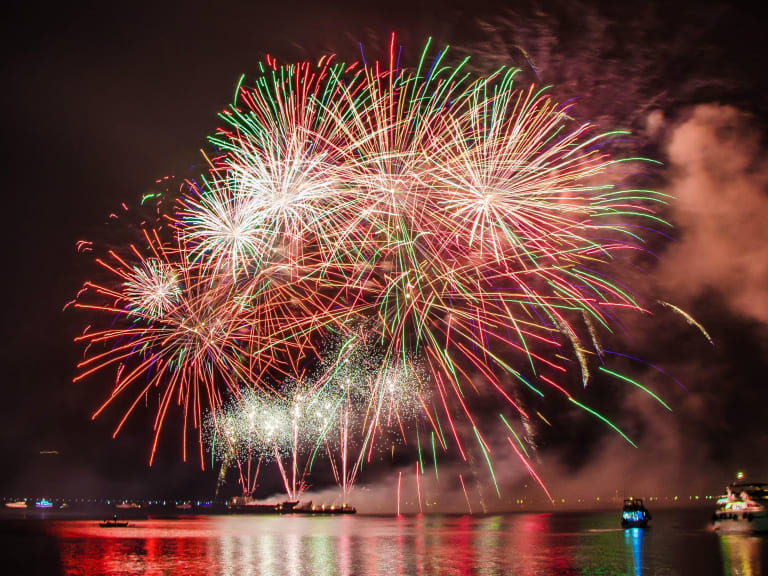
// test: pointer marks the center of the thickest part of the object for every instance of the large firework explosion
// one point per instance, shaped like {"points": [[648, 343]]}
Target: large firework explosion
{"points": [[462, 227]]}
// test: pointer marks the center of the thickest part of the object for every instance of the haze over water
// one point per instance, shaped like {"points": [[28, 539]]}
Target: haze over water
{"points": [[679, 542]]}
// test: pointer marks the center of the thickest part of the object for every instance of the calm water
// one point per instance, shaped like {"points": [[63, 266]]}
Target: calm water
{"points": [[679, 542]]}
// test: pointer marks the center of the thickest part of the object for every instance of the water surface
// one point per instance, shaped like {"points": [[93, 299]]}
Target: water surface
{"points": [[679, 542]]}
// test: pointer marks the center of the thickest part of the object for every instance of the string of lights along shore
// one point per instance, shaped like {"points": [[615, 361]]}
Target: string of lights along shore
{"points": [[371, 251]]}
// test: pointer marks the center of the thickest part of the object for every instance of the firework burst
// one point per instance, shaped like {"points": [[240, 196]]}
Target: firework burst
{"points": [[466, 225]]}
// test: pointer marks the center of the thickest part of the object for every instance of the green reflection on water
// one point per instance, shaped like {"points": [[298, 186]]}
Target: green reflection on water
{"points": [[741, 555]]}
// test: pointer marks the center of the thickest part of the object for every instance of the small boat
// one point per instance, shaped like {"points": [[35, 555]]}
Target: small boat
{"points": [[634, 514], [114, 523], [16, 504], [44, 503], [742, 509]]}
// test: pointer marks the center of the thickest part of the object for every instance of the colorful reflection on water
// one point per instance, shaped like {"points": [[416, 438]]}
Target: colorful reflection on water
{"points": [[527, 544], [742, 554]]}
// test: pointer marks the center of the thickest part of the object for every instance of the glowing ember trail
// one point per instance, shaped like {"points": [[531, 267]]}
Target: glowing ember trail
{"points": [[466, 496]]}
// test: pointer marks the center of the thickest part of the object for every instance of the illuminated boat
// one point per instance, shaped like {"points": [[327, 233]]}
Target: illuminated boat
{"points": [[743, 508], [44, 503], [16, 504], [634, 514], [308, 508], [248, 505]]}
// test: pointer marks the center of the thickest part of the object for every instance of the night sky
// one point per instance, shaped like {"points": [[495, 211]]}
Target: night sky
{"points": [[102, 99]]}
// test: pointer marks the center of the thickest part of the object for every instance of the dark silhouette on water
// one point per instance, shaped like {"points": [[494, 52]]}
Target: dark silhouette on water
{"points": [[114, 523]]}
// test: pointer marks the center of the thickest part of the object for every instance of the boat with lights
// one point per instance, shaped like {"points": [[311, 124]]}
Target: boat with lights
{"points": [[247, 505], [634, 514], [308, 508], [742, 509]]}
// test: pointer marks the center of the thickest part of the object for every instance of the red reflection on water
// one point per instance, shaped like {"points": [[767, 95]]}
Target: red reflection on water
{"points": [[144, 547], [521, 544], [419, 546], [458, 546], [530, 539]]}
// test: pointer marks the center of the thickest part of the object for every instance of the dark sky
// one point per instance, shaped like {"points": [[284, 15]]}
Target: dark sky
{"points": [[101, 99]]}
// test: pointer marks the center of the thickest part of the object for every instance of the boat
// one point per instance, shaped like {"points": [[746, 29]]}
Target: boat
{"points": [[248, 505], [742, 509], [634, 514], [308, 508], [286, 506], [114, 523], [44, 503], [16, 504]]}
